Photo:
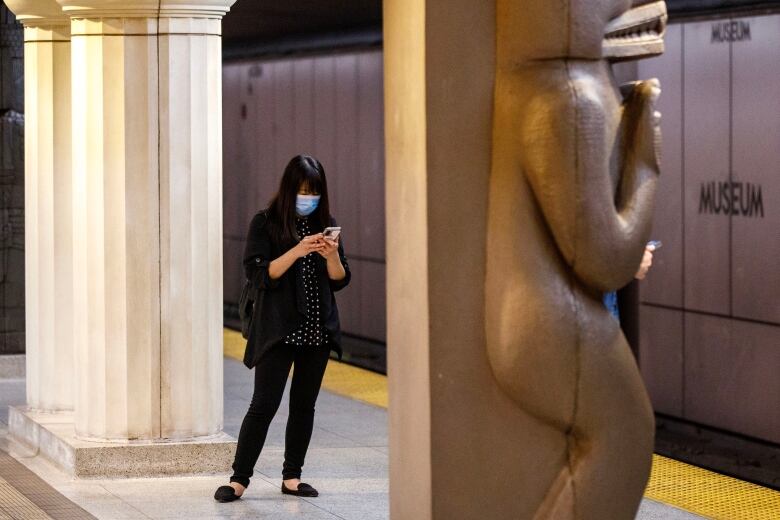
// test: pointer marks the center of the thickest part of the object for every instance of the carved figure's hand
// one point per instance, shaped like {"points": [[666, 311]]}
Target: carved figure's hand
{"points": [[642, 123]]}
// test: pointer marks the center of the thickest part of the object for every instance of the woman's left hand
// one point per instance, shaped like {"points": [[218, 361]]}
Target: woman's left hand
{"points": [[328, 248]]}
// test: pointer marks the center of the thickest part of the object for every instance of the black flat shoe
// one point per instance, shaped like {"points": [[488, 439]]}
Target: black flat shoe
{"points": [[304, 490], [225, 494]]}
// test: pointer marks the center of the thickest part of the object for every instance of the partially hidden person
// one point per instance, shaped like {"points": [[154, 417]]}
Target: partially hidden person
{"points": [[611, 299]]}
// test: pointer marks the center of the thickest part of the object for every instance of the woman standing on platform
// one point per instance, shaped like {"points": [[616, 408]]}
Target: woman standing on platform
{"points": [[297, 264]]}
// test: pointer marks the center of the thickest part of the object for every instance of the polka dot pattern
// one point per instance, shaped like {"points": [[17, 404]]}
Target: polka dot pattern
{"points": [[311, 332]]}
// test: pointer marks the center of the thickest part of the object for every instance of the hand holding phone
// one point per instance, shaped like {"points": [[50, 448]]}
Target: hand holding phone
{"points": [[331, 233], [328, 243], [654, 245]]}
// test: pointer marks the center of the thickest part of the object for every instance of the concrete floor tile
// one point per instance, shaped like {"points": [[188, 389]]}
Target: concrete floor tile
{"points": [[364, 424], [319, 515], [113, 510], [652, 510], [232, 428], [98, 501], [234, 408], [330, 463], [356, 506], [129, 489], [324, 439], [355, 487], [366, 515], [257, 503], [13, 392]]}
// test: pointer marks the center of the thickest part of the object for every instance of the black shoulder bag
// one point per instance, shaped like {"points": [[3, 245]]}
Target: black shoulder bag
{"points": [[246, 307]]}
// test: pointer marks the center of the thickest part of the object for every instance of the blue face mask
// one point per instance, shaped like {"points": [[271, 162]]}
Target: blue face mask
{"points": [[306, 204]]}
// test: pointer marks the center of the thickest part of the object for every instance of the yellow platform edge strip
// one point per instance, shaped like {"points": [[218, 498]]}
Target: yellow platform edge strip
{"points": [[710, 494], [675, 483]]}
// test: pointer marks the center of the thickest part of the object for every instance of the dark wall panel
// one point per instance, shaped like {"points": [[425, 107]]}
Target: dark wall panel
{"points": [[706, 134], [350, 310], [303, 83], [261, 139], [756, 171], [238, 173], [371, 195], [373, 320], [664, 284], [731, 375], [719, 365], [324, 111], [284, 122], [346, 174], [234, 272], [661, 358], [231, 110]]}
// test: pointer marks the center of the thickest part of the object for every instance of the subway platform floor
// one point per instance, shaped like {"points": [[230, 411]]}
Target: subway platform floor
{"points": [[347, 462]]}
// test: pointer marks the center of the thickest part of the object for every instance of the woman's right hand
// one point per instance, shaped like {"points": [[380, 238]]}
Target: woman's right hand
{"points": [[309, 244]]}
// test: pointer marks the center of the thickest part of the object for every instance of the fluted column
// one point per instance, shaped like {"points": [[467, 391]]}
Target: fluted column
{"points": [[191, 225], [48, 208], [148, 220]]}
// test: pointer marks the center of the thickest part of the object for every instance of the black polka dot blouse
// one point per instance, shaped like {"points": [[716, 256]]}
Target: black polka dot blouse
{"points": [[311, 332]]}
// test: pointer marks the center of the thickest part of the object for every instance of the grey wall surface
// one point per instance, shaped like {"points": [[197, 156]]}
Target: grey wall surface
{"points": [[330, 107], [710, 308], [11, 184]]}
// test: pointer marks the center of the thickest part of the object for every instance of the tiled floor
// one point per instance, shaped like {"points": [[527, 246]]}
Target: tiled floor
{"points": [[30, 497], [347, 462], [12, 392]]}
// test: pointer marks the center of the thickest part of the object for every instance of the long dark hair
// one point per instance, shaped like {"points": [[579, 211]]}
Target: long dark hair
{"points": [[302, 170]]}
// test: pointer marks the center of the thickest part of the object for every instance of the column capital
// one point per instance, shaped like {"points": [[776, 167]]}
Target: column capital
{"points": [[146, 8], [33, 13]]}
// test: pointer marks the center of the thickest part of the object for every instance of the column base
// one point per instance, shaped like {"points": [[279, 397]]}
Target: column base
{"points": [[53, 435]]}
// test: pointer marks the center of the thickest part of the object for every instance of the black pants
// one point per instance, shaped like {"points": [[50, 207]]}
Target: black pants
{"points": [[270, 379]]}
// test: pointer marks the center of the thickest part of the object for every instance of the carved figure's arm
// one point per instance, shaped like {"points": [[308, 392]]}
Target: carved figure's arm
{"points": [[600, 233]]}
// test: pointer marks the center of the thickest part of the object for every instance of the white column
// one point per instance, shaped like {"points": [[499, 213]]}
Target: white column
{"points": [[191, 225], [48, 208], [148, 217]]}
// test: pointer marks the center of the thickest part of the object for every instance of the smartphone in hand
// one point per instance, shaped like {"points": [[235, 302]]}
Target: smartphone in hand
{"points": [[331, 233], [654, 245]]}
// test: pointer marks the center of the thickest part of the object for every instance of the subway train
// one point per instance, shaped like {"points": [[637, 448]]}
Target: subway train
{"points": [[704, 324]]}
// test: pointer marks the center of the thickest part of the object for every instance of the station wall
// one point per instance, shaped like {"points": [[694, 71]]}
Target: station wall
{"points": [[710, 308], [330, 107]]}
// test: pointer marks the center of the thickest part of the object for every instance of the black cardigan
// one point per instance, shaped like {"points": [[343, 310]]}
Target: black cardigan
{"points": [[280, 307]]}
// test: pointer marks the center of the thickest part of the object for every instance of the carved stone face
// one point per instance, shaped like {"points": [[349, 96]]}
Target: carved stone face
{"points": [[637, 33], [582, 29]]}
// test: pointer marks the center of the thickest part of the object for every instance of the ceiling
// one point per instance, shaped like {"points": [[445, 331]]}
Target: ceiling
{"points": [[269, 20], [682, 8], [268, 27]]}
